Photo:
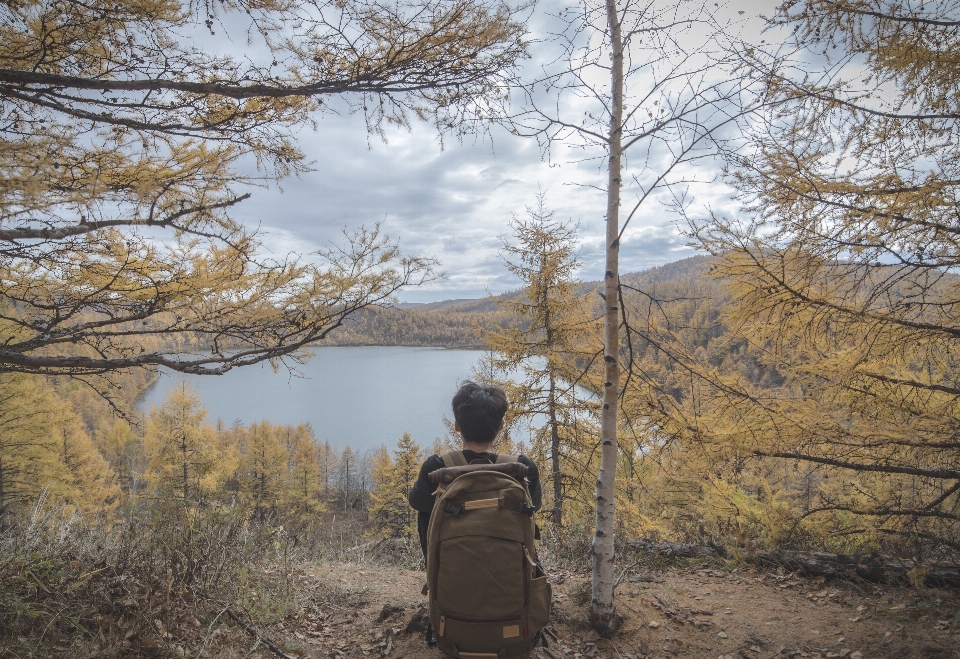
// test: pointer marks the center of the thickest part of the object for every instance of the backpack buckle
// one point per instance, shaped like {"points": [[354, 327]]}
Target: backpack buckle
{"points": [[527, 510], [455, 508]]}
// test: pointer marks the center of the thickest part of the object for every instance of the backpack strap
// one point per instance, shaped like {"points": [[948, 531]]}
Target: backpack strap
{"points": [[454, 459], [502, 459]]}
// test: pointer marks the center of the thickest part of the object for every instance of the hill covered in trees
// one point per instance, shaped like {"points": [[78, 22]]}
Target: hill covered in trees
{"points": [[462, 323]]}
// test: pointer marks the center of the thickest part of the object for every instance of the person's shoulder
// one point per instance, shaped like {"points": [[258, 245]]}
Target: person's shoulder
{"points": [[432, 463], [524, 460]]}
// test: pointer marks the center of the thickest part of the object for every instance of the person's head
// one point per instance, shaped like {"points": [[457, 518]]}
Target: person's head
{"points": [[478, 411]]}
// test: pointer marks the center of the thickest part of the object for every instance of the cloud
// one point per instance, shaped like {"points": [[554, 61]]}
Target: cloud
{"points": [[453, 204], [454, 201]]}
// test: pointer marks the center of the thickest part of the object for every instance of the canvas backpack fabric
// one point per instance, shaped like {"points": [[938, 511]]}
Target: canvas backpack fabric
{"points": [[488, 594]]}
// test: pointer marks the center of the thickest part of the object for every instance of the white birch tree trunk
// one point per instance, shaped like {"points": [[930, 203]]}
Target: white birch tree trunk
{"points": [[603, 612]]}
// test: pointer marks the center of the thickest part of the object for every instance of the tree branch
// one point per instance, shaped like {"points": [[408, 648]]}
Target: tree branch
{"points": [[853, 466]]}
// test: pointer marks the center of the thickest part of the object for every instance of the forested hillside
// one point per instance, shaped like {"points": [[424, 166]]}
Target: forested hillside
{"points": [[452, 324], [462, 323], [63, 438]]}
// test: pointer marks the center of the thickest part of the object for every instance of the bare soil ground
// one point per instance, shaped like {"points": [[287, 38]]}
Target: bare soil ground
{"points": [[363, 610]]}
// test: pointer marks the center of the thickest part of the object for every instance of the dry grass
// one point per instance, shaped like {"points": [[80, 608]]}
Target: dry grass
{"points": [[174, 582], [159, 584]]}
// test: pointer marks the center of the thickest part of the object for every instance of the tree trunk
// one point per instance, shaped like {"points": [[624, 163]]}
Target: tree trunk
{"points": [[346, 487], [3, 499], [869, 568], [183, 445], [557, 512], [555, 455], [603, 612]]}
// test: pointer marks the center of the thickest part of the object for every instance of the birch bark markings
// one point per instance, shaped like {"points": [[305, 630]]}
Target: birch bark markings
{"points": [[603, 612]]}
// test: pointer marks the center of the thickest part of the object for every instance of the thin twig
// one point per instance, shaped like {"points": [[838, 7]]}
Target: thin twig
{"points": [[261, 639], [666, 607], [620, 578], [256, 644], [210, 629]]}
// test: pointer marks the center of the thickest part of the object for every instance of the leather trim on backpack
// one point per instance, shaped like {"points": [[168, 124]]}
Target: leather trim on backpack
{"points": [[500, 502], [454, 459], [502, 459]]}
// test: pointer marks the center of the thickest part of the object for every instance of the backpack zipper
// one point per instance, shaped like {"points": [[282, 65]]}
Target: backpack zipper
{"points": [[474, 620]]}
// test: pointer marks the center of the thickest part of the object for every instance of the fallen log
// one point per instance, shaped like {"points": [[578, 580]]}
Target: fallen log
{"points": [[677, 549], [876, 569], [872, 568]]}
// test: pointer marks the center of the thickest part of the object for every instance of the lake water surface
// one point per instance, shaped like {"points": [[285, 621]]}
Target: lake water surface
{"points": [[362, 396]]}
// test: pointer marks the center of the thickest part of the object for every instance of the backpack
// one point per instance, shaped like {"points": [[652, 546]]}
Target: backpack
{"points": [[489, 597]]}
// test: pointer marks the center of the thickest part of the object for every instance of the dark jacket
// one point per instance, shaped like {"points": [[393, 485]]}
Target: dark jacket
{"points": [[422, 499]]}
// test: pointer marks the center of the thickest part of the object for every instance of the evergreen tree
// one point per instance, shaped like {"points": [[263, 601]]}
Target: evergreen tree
{"points": [[381, 492], [305, 484], [29, 443], [90, 483], [551, 349], [124, 451], [845, 278], [451, 440], [392, 481], [406, 468], [263, 469], [184, 461], [44, 447]]}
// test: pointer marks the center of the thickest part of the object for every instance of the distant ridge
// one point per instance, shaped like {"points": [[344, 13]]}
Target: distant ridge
{"points": [[460, 323], [468, 305], [682, 271]]}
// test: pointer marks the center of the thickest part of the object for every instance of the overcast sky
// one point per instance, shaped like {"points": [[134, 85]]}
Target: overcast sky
{"points": [[454, 203]]}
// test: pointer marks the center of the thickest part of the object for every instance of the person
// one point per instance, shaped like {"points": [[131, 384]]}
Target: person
{"points": [[478, 412]]}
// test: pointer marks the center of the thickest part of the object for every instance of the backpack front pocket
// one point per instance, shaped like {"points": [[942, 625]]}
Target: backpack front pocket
{"points": [[480, 578], [484, 637]]}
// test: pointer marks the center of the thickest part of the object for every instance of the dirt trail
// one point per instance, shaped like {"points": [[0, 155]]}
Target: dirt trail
{"points": [[705, 613]]}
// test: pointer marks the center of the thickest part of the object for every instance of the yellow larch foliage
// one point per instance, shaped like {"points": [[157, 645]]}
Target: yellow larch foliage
{"points": [[262, 470], [44, 449], [392, 482], [305, 484], [92, 483], [541, 363], [184, 461], [382, 496]]}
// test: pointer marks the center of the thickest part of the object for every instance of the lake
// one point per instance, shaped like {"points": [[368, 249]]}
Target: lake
{"points": [[361, 396]]}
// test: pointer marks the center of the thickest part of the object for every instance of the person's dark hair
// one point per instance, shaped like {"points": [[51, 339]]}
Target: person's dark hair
{"points": [[479, 410]]}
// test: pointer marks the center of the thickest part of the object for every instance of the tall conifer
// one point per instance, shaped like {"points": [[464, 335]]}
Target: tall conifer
{"points": [[550, 349], [185, 462], [263, 469]]}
